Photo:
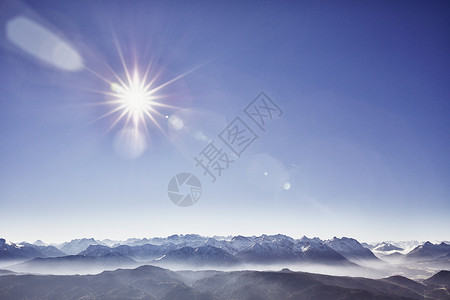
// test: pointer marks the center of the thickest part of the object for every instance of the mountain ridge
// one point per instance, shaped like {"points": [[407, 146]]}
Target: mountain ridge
{"points": [[151, 282]]}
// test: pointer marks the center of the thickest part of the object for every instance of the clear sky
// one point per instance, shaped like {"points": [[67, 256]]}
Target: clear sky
{"points": [[361, 149]]}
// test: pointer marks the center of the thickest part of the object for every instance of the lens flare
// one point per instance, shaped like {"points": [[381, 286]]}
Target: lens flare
{"points": [[135, 100]]}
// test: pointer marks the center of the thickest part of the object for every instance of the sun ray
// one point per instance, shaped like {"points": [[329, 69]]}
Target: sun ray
{"points": [[133, 100], [125, 111], [119, 50], [134, 96], [112, 111]]}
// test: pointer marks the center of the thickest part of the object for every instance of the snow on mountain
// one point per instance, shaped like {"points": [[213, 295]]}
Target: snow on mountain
{"points": [[268, 251], [386, 247], [190, 240], [187, 240], [429, 251], [317, 250], [406, 246], [274, 238], [222, 244], [142, 253], [264, 248], [222, 238], [287, 249], [261, 249], [199, 257], [11, 251], [350, 249], [240, 243]]}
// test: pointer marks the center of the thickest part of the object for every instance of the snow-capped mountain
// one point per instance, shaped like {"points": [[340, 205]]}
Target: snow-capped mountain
{"points": [[386, 247], [268, 251], [222, 244], [199, 257], [407, 246], [281, 249], [240, 243], [429, 251], [76, 246], [350, 249], [11, 251], [274, 238], [189, 240], [198, 250], [316, 250], [263, 249], [142, 253]]}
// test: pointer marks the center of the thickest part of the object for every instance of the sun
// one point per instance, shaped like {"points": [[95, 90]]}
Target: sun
{"points": [[135, 99]]}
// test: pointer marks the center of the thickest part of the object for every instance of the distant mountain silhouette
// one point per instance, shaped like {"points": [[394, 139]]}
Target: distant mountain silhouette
{"points": [[76, 246], [74, 264], [149, 282]]}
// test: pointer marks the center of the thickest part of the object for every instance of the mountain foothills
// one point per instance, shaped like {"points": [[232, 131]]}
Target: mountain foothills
{"points": [[151, 282]]}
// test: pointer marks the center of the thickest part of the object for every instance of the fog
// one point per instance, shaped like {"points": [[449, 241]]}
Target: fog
{"points": [[88, 266]]}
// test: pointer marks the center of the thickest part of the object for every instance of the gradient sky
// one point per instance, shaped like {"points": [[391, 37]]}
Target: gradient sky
{"points": [[364, 139]]}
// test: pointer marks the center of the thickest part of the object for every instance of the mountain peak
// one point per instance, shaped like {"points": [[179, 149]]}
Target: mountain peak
{"points": [[350, 248], [39, 243]]}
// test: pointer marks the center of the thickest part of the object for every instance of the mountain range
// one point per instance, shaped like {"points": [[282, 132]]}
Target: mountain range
{"points": [[11, 251], [197, 252]]}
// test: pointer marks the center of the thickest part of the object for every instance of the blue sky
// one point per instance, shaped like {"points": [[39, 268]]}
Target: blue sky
{"points": [[363, 140]]}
